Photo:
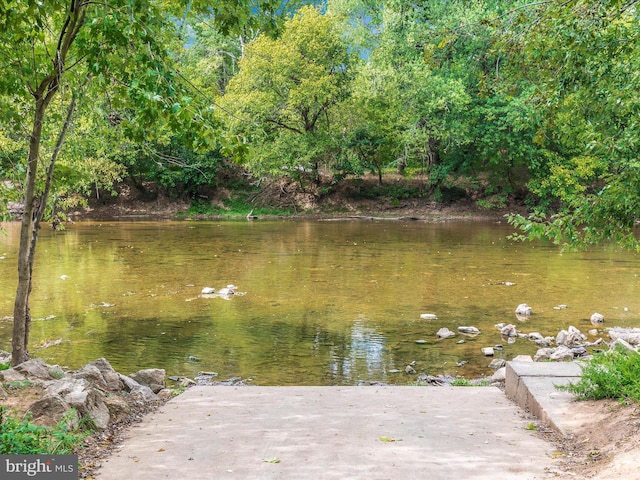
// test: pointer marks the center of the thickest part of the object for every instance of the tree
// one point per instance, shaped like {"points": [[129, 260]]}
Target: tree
{"points": [[284, 95], [56, 53], [582, 57]]}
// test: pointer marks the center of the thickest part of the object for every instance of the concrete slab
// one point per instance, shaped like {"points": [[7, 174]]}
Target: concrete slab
{"points": [[533, 387], [293, 433]]}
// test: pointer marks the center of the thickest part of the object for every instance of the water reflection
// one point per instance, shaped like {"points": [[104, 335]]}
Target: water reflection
{"points": [[325, 303]]}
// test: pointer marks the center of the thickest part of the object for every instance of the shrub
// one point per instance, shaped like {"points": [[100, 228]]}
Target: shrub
{"points": [[614, 374], [18, 436]]}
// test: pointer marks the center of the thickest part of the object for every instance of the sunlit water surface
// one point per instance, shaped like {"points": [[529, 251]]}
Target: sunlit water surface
{"points": [[323, 302]]}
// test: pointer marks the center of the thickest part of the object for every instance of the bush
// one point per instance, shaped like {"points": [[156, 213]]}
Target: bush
{"points": [[614, 374], [18, 436]]}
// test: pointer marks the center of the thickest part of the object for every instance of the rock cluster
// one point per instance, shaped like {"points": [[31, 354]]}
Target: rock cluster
{"points": [[96, 393]]}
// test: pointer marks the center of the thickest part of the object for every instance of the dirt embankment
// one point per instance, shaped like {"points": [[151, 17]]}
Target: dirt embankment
{"points": [[352, 199]]}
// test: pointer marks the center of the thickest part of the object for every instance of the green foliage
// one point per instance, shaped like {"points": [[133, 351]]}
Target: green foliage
{"points": [[614, 374], [18, 436], [284, 97], [5, 366]]}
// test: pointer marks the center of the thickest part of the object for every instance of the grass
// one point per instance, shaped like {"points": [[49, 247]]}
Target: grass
{"points": [[232, 207], [610, 375], [18, 436]]}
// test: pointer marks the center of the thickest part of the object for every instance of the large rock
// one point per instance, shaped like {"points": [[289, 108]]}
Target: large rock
{"points": [[562, 354], [11, 375], [110, 376], [35, 368], [51, 409], [154, 378], [79, 394], [139, 392], [629, 335]]}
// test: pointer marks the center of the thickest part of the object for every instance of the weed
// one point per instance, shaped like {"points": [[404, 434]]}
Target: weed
{"points": [[5, 366], [461, 382], [614, 374], [18, 436]]}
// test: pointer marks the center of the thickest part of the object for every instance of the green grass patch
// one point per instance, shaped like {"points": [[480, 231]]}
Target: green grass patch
{"points": [[234, 206], [18, 436], [609, 375]]}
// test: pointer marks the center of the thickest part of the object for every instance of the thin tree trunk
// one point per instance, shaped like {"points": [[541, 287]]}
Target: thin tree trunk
{"points": [[21, 313]]}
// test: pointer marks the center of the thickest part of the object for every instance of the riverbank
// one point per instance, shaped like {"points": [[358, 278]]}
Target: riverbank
{"points": [[347, 202]]}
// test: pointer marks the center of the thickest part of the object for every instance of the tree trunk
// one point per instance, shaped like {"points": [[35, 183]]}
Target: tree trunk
{"points": [[28, 236]]}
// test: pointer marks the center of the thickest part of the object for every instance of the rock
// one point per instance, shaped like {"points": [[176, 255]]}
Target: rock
{"points": [[499, 376], [445, 333], [630, 335], [50, 410], [421, 342], [208, 291], [117, 406], [11, 375], [509, 331], [35, 368], [469, 330], [597, 319], [522, 358], [92, 374], [535, 337], [409, 370], [154, 378], [5, 357], [3, 393], [228, 290], [110, 376], [523, 310], [624, 344], [561, 354], [428, 316], [543, 354], [560, 307], [141, 393], [497, 363], [488, 351], [79, 394]]}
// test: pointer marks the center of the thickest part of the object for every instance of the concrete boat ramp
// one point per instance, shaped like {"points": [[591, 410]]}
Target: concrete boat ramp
{"points": [[373, 432]]}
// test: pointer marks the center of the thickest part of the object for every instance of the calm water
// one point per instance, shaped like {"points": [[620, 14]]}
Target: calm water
{"points": [[325, 302]]}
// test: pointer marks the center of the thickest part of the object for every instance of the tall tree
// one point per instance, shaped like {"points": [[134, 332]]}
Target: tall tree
{"points": [[54, 54], [583, 59], [285, 93]]}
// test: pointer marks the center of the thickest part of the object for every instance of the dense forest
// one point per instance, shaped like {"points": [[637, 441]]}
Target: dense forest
{"points": [[509, 101]]}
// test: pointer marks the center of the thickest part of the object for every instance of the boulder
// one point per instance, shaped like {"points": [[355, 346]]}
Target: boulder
{"points": [[523, 310], [597, 319], [561, 354], [428, 316], [488, 351], [35, 368], [79, 394], [629, 335], [11, 375], [154, 378], [497, 363], [111, 377], [50, 410], [139, 392], [543, 354], [509, 331], [499, 376]]}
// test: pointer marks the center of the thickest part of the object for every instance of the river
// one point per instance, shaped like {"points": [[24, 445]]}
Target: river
{"points": [[319, 303]]}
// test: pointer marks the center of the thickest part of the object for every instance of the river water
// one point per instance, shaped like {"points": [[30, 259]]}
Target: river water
{"points": [[320, 303]]}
